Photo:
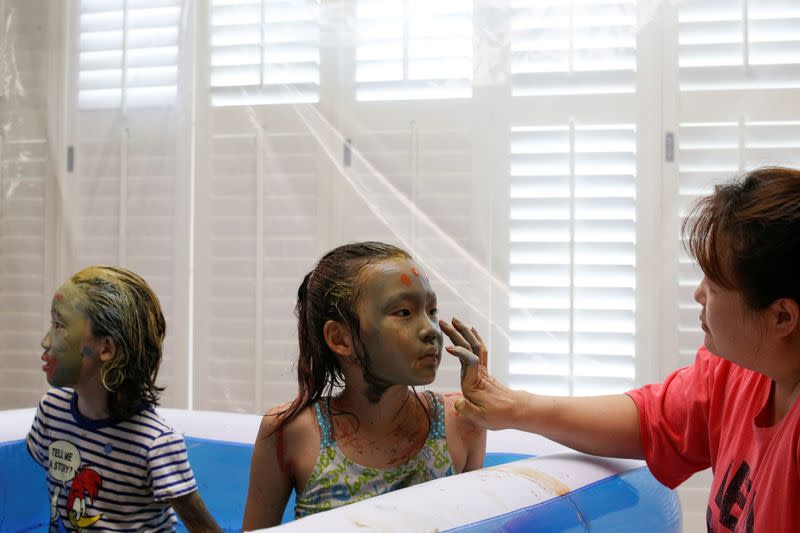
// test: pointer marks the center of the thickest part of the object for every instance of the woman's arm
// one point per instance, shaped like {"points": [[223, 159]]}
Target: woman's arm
{"points": [[194, 514], [600, 425], [271, 479]]}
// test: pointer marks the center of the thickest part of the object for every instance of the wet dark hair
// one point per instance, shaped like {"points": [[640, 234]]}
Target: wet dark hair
{"points": [[121, 305], [330, 291], [746, 235]]}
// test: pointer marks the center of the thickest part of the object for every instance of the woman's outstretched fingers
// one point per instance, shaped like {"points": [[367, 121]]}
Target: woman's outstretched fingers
{"points": [[454, 335], [466, 357], [474, 344], [468, 348], [484, 355], [466, 337]]}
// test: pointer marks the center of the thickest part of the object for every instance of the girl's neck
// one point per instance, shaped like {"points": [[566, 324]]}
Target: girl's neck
{"points": [[93, 401], [395, 407]]}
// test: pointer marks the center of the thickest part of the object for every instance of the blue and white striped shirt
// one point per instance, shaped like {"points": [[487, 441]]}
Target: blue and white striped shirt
{"points": [[108, 475]]}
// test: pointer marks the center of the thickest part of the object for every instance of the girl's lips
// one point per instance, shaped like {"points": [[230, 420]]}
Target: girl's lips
{"points": [[431, 359], [49, 365]]}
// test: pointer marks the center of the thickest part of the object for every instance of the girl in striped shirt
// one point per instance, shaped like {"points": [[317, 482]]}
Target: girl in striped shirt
{"points": [[112, 462]]}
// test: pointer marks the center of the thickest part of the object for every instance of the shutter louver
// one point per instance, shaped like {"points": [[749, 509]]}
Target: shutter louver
{"points": [[576, 47], [572, 275], [262, 204], [128, 211], [739, 44], [403, 54], [128, 53], [264, 52]]}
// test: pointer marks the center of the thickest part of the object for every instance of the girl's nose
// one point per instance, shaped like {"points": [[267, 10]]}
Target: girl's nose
{"points": [[430, 330], [45, 344]]}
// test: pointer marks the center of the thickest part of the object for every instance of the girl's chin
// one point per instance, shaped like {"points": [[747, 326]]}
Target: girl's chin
{"points": [[427, 380], [61, 381]]}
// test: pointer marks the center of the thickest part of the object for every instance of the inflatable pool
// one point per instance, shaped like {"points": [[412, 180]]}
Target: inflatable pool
{"points": [[530, 484]]}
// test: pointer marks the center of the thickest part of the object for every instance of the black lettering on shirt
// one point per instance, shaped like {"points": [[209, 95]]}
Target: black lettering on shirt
{"points": [[733, 493]]}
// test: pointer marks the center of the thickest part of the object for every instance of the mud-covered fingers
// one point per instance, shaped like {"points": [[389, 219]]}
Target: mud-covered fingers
{"points": [[470, 335], [461, 331], [477, 335], [484, 354], [473, 338], [466, 357], [470, 365], [455, 336]]}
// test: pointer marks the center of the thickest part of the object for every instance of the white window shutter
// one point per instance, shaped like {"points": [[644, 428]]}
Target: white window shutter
{"points": [[25, 174], [573, 47], [572, 272], [739, 44], [129, 207], [128, 53], [259, 236], [264, 51], [413, 49]]}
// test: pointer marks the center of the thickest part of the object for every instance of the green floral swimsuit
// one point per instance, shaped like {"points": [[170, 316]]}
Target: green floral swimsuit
{"points": [[337, 481]]}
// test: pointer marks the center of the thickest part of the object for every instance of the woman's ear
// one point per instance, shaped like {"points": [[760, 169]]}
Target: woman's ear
{"points": [[786, 315], [108, 349], [338, 338]]}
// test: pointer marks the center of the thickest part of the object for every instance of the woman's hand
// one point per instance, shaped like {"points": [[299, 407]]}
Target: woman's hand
{"points": [[487, 402]]}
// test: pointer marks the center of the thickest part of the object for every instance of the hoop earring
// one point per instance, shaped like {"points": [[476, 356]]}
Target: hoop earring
{"points": [[103, 381], [115, 382]]}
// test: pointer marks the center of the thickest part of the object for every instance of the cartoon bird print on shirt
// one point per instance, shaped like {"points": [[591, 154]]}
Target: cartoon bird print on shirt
{"points": [[85, 485]]}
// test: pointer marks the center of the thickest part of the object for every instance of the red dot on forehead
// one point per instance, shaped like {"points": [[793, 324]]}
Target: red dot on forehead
{"points": [[405, 280], [414, 271], [58, 297]]}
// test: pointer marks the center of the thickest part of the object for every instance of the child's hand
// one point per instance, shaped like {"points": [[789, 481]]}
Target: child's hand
{"points": [[487, 402]]}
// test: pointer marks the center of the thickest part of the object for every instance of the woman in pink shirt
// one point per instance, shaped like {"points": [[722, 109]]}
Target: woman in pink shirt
{"points": [[736, 408]]}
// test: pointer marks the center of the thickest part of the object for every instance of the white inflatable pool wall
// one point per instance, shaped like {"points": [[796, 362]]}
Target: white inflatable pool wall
{"points": [[447, 503]]}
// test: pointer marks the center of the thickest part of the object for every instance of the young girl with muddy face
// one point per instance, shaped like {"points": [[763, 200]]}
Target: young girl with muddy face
{"points": [[369, 332], [112, 461]]}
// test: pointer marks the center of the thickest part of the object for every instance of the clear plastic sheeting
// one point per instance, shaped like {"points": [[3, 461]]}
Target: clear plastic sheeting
{"points": [[536, 157]]}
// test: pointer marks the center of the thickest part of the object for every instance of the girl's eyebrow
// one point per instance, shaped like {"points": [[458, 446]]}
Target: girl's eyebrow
{"points": [[398, 297], [407, 295]]}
